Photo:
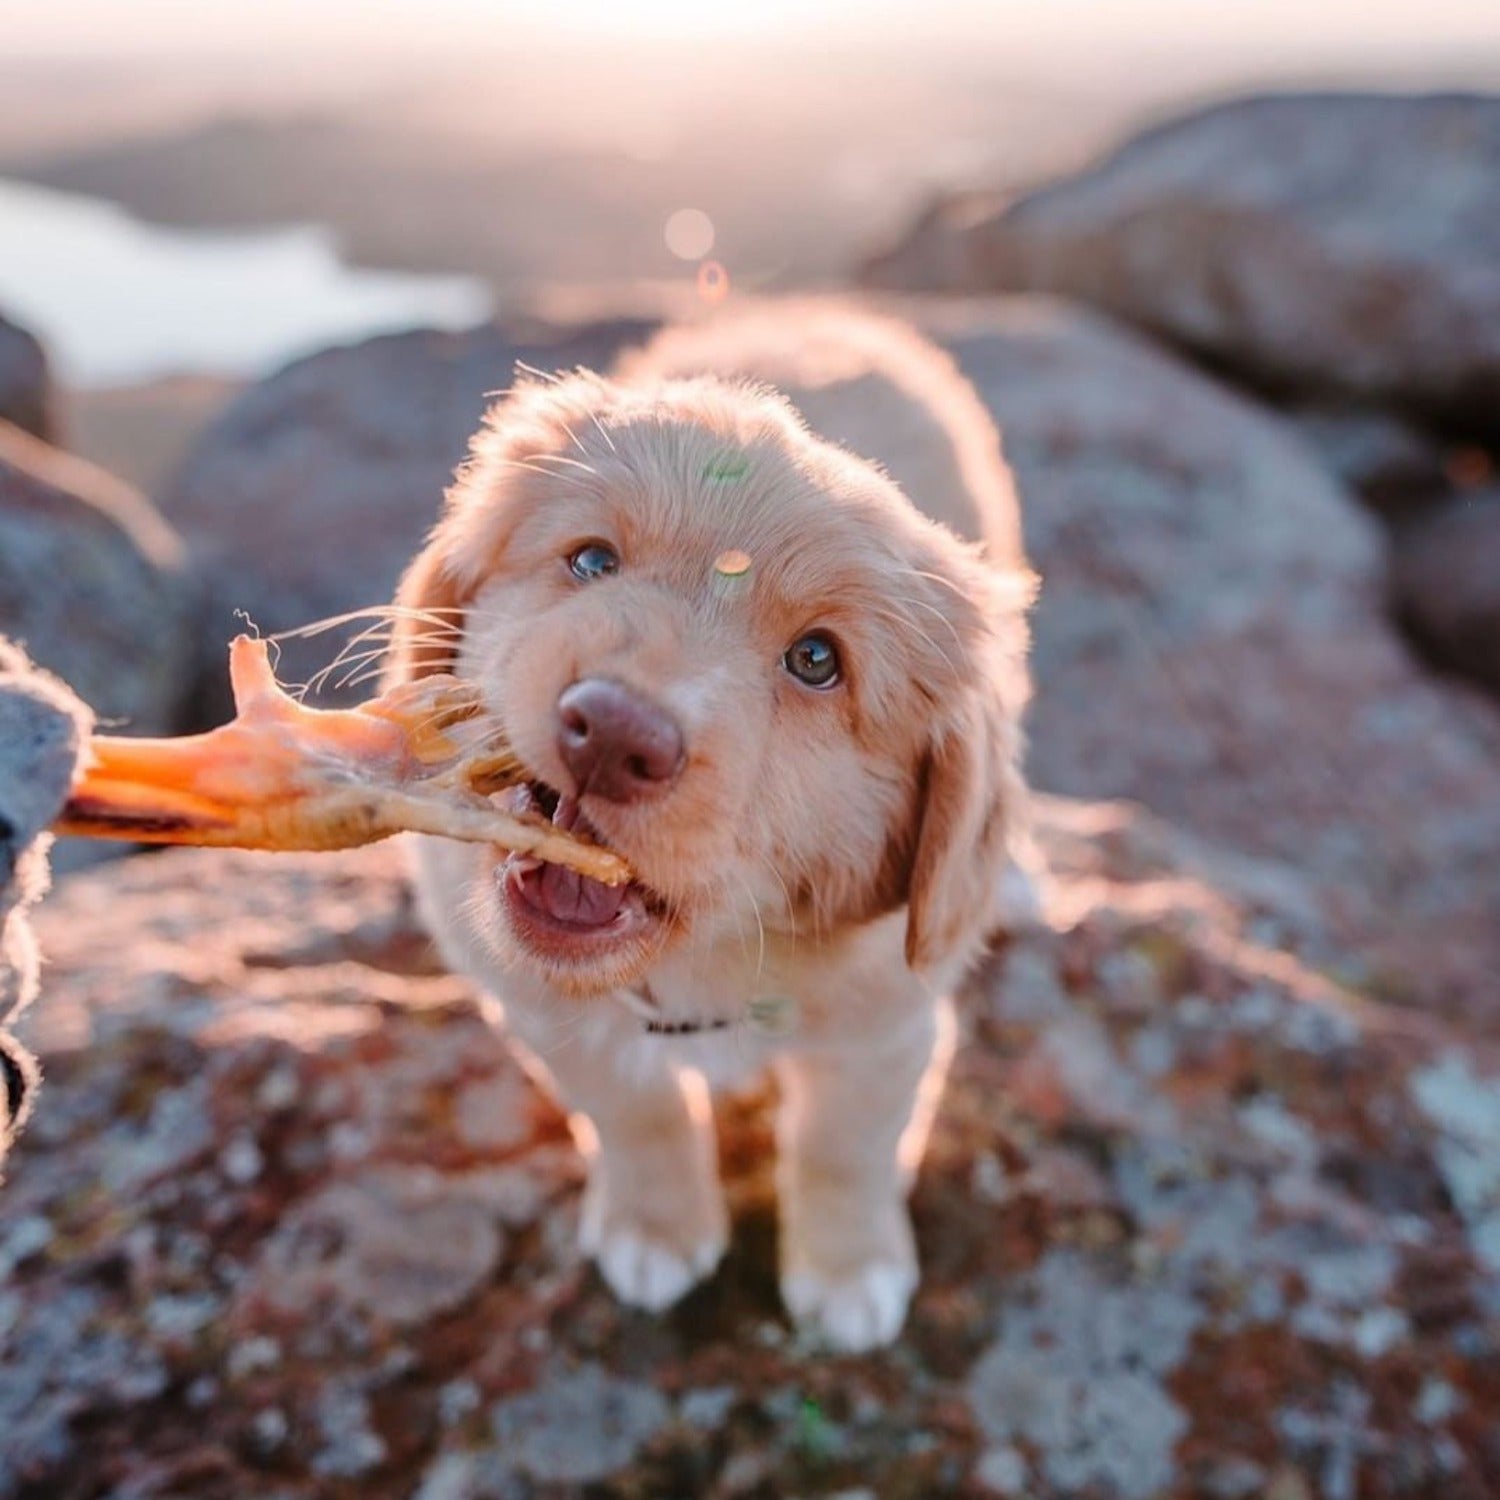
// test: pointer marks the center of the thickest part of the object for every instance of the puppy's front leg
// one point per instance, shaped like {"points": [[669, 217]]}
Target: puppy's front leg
{"points": [[851, 1131], [653, 1215]]}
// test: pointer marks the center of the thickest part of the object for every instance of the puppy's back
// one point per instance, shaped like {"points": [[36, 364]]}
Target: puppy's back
{"points": [[873, 385]]}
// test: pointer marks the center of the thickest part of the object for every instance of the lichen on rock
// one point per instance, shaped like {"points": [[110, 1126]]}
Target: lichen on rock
{"points": [[1255, 1262]]}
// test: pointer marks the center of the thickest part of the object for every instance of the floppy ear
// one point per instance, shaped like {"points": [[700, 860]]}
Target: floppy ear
{"points": [[971, 794], [428, 629], [531, 419]]}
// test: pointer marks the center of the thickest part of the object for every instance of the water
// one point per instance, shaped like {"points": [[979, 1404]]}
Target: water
{"points": [[117, 301]]}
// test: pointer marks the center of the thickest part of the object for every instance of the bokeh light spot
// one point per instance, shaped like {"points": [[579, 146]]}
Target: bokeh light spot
{"points": [[725, 467], [689, 234], [732, 564]]}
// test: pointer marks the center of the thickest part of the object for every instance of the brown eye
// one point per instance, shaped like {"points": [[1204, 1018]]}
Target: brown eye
{"points": [[593, 560], [813, 660]]}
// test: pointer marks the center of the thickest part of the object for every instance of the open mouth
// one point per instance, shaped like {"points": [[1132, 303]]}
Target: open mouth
{"points": [[558, 910]]}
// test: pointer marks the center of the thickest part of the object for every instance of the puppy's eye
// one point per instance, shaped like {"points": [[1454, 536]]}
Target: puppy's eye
{"points": [[813, 659], [593, 560]]}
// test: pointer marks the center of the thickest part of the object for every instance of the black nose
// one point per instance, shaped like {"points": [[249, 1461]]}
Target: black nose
{"points": [[617, 743]]}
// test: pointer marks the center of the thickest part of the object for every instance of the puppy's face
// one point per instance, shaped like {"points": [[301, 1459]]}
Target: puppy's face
{"points": [[735, 655]]}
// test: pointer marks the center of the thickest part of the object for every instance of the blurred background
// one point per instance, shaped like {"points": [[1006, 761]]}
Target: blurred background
{"points": [[192, 193]]}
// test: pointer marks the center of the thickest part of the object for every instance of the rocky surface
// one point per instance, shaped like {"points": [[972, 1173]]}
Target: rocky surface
{"points": [[1445, 578], [42, 727], [1194, 1223], [1257, 234], [92, 584], [1212, 639], [25, 387], [309, 496]]}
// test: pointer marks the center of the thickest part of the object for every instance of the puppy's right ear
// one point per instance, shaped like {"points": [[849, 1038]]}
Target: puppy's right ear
{"points": [[430, 604]]}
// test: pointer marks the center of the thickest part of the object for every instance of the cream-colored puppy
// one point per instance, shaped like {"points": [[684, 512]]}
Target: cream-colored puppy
{"points": [[742, 657]]}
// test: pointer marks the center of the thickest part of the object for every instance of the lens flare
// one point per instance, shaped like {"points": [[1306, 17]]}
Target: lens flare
{"points": [[732, 564], [713, 282], [689, 234]]}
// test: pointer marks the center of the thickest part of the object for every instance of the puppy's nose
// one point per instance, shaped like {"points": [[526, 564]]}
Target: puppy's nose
{"points": [[617, 743]]}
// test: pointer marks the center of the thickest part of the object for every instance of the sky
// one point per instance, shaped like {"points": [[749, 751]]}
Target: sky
{"points": [[1057, 28]]}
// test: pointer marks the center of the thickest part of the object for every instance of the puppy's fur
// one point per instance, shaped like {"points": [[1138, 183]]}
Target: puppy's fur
{"points": [[829, 862]]}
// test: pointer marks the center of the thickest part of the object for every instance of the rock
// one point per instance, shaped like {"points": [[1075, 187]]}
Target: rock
{"points": [[1396, 469], [1256, 234], [578, 1425], [42, 728], [309, 496], [1076, 1375], [91, 583], [25, 389], [395, 1244], [1284, 1272], [1445, 580], [1212, 640]]}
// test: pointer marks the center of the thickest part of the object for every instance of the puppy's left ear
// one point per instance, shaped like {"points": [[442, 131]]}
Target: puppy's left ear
{"points": [[971, 797], [972, 801]]}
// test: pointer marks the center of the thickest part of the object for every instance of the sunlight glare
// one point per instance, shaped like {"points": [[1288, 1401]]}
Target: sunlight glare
{"points": [[688, 20]]}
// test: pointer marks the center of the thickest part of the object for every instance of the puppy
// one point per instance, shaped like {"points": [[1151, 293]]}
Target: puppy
{"points": [[741, 656]]}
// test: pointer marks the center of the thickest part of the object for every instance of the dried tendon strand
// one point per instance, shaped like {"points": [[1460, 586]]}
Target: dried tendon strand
{"points": [[281, 776]]}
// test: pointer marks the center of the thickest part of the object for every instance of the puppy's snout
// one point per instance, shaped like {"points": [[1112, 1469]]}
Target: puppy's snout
{"points": [[617, 743]]}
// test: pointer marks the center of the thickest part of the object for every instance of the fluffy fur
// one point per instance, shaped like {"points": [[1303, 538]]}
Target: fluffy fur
{"points": [[828, 863]]}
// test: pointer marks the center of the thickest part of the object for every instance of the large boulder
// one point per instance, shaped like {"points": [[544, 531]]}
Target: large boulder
{"points": [[92, 584], [311, 493], [1195, 1223], [25, 388], [1319, 242], [1445, 577]]}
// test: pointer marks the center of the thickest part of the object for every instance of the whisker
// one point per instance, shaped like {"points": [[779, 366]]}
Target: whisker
{"points": [[533, 467], [362, 669], [573, 435], [906, 624], [786, 896], [562, 458], [344, 661], [931, 609], [369, 612], [603, 431], [760, 957], [350, 653], [551, 377], [947, 583]]}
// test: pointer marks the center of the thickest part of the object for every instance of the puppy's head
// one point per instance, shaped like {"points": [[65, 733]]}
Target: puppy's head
{"points": [[735, 654]]}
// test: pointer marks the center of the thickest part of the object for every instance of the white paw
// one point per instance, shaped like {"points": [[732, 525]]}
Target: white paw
{"points": [[648, 1273], [863, 1310]]}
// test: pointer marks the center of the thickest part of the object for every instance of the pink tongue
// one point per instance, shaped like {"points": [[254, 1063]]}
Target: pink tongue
{"points": [[571, 897]]}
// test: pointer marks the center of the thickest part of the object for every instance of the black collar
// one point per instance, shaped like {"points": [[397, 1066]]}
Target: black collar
{"points": [[684, 1028], [658, 1025]]}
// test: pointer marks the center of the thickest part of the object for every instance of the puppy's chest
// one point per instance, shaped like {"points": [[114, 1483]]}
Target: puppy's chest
{"points": [[719, 992], [771, 991]]}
